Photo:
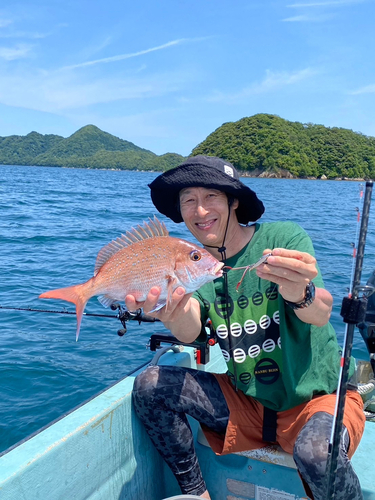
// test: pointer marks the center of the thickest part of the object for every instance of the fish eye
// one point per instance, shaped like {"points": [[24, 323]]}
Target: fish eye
{"points": [[195, 255]]}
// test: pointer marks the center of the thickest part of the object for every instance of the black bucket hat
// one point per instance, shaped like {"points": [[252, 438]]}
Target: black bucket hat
{"points": [[209, 172]]}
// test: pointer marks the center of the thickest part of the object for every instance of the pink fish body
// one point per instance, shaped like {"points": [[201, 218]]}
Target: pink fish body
{"points": [[143, 257]]}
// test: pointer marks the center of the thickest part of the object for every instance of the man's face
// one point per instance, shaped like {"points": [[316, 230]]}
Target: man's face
{"points": [[205, 213]]}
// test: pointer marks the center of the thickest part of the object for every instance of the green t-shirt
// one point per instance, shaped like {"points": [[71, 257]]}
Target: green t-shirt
{"points": [[273, 356]]}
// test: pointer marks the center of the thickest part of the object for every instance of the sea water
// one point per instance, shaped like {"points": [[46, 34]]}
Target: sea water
{"points": [[53, 222]]}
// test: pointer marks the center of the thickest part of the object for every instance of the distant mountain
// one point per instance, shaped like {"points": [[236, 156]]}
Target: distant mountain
{"points": [[89, 147], [268, 146], [262, 145], [21, 150]]}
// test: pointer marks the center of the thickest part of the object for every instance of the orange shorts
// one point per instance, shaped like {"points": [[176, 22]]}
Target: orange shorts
{"points": [[245, 427]]}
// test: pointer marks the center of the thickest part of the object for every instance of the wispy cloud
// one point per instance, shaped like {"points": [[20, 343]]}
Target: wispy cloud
{"points": [[18, 52], [11, 32], [91, 51], [272, 81], [59, 92], [319, 10], [24, 34], [368, 89], [283, 78], [5, 22], [63, 90], [328, 3], [296, 19], [121, 57], [307, 18]]}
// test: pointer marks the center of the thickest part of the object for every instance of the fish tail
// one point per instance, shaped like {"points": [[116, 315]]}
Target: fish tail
{"points": [[76, 294]]}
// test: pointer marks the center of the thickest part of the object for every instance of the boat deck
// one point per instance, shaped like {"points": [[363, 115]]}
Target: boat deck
{"points": [[100, 451]]}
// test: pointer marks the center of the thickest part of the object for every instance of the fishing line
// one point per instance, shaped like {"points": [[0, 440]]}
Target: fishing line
{"points": [[353, 311], [29, 309], [123, 315], [226, 269], [356, 237]]}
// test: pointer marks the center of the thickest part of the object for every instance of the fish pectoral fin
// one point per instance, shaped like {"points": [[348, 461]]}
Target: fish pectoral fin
{"points": [[171, 281], [106, 300], [158, 306]]}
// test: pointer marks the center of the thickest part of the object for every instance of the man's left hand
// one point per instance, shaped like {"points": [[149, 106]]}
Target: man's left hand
{"points": [[291, 270]]}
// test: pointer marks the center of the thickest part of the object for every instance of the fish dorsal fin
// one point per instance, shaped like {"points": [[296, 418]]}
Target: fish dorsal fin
{"points": [[151, 229]]}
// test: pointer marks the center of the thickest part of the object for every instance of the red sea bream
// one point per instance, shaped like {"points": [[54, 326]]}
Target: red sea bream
{"points": [[143, 257]]}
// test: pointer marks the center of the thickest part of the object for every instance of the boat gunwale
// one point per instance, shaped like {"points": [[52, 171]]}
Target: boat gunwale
{"points": [[65, 414]]}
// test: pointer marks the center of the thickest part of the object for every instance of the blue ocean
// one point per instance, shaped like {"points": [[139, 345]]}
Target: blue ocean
{"points": [[54, 221]]}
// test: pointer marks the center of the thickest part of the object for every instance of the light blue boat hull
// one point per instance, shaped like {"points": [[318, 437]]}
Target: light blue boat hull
{"points": [[100, 451]]}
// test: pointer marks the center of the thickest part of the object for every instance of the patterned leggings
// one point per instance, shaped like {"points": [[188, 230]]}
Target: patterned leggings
{"points": [[164, 395]]}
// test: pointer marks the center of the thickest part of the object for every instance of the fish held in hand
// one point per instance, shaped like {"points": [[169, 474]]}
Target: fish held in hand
{"points": [[143, 257]]}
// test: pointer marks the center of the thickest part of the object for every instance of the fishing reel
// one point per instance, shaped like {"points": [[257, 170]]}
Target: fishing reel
{"points": [[124, 315]]}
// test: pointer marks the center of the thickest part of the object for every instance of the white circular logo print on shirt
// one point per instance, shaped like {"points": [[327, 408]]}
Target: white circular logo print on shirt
{"points": [[235, 329], [222, 331], [225, 355], [239, 355], [250, 326]]}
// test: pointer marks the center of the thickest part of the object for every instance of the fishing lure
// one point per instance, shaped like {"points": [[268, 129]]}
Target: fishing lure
{"points": [[249, 268]]}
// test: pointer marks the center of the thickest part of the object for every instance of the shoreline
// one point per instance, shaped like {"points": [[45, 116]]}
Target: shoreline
{"points": [[255, 174], [285, 174]]}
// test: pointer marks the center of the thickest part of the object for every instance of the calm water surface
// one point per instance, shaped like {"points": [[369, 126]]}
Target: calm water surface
{"points": [[54, 221]]}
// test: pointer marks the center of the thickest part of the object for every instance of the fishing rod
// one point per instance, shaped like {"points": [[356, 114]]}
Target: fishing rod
{"points": [[353, 311], [123, 315]]}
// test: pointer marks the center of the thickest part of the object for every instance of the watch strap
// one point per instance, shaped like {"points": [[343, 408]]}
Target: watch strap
{"points": [[308, 300]]}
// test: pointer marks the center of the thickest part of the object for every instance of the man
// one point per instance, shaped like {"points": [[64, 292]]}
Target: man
{"points": [[273, 327]]}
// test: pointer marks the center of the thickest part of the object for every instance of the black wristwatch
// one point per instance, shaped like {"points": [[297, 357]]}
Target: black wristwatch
{"points": [[309, 298]]}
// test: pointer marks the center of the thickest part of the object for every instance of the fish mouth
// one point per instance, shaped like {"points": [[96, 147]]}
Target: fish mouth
{"points": [[217, 269]]}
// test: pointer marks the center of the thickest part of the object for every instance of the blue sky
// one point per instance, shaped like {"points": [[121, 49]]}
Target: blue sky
{"points": [[164, 74]]}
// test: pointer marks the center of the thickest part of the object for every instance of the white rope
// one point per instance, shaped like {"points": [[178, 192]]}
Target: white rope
{"points": [[366, 388]]}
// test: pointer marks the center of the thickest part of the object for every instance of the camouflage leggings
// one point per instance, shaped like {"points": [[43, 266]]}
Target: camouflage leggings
{"points": [[164, 395]]}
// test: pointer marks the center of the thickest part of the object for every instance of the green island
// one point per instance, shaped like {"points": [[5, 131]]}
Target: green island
{"points": [[262, 145]]}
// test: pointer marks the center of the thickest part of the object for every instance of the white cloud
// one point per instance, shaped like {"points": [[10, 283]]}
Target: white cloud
{"points": [[128, 56], [88, 52], [5, 22], [307, 18], [272, 81], [65, 89], [296, 19], [275, 80], [368, 89], [60, 91], [18, 52], [328, 3], [24, 34]]}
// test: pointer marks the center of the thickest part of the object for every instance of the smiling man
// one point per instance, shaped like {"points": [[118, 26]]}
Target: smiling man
{"points": [[205, 213], [273, 327]]}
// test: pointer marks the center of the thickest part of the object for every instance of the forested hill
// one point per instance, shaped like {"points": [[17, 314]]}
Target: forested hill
{"points": [[261, 145], [268, 145], [89, 147]]}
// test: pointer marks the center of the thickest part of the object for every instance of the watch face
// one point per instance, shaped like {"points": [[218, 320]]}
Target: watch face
{"points": [[310, 291]]}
